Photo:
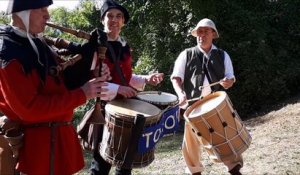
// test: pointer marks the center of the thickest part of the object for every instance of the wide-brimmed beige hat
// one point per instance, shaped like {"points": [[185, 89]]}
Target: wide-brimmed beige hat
{"points": [[205, 23]]}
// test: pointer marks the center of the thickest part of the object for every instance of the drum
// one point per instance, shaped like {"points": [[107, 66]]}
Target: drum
{"points": [[218, 126], [120, 116], [168, 103], [158, 98]]}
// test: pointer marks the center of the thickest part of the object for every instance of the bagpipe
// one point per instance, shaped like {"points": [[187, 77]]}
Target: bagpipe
{"points": [[79, 67], [63, 46], [90, 127], [131, 127]]}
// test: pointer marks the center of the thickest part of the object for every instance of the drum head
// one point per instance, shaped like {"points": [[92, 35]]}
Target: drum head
{"points": [[157, 97], [209, 103], [131, 107]]}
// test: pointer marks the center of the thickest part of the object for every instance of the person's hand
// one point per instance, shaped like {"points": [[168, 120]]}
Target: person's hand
{"points": [[94, 87], [127, 91], [154, 78], [182, 100], [227, 83]]}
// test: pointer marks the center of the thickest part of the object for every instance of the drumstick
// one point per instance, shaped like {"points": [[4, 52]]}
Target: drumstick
{"points": [[212, 84], [194, 99], [202, 87]]}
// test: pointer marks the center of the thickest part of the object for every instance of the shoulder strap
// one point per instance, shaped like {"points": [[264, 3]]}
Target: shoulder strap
{"points": [[115, 60]]}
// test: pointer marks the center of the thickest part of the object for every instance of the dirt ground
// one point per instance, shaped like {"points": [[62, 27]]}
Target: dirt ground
{"points": [[275, 147]]}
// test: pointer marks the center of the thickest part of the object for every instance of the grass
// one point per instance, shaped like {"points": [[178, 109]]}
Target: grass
{"points": [[275, 147], [167, 147]]}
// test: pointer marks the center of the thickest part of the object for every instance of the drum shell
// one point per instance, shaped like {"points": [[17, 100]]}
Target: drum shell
{"points": [[116, 135], [220, 130]]}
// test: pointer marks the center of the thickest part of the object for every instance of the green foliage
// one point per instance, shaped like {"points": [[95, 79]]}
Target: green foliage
{"points": [[259, 46], [262, 38], [4, 19], [83, 18], [153, 30], [81, 110]]}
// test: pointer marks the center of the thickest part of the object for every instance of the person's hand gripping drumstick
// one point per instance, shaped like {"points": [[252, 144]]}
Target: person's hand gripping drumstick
{"points": [[227, 82], [202, 87], [182, 100], [212, 84]]}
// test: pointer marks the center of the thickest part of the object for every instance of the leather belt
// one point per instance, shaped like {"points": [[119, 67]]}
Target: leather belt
{"points": [[52, 126], [47, 124]]}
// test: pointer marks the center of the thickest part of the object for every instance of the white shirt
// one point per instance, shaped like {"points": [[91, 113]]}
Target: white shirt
{"points": [[179, 68], [136, 81]]}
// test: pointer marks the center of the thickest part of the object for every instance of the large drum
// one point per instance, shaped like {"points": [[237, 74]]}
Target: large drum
{"points": [[160, 99], [120, 116], [218, 127]]}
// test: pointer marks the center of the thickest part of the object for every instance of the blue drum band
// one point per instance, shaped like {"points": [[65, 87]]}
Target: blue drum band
{"points": [[168, 123]]}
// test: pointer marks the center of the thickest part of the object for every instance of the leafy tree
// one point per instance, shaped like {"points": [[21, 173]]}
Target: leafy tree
{"points": [[4, 19], [261, 36]]}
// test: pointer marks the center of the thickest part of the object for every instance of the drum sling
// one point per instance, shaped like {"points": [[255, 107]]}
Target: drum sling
{"points": [[115, 61], [132, 147]]}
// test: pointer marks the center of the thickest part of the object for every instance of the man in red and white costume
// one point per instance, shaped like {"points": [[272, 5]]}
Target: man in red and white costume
{"points": [[113, 16], [38, 100]]}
